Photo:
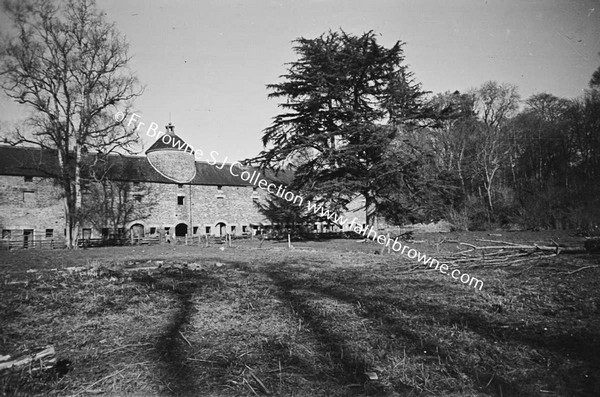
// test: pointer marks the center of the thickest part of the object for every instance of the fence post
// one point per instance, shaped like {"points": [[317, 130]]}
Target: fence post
{"points": [[186, 239]]}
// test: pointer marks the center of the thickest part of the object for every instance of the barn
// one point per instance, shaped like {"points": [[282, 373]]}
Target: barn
{"points": [[165, 192]]}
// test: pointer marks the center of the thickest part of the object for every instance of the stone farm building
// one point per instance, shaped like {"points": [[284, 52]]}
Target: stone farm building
{"points": [[164, 193]]}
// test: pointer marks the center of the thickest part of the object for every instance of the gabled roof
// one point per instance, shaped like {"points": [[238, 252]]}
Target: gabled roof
{"points": [[32, 161]]}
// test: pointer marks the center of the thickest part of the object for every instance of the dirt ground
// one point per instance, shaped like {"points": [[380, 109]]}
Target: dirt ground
{"points": [[327, 318]]}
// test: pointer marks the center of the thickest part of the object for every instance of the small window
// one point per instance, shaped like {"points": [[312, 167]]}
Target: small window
{"points": [[220, 197], [233, 229], [254, 188], [6, 233], [29, 197], [180, 200], [244, 229], [180, 186], [49, 233], [220, 187], [136, 184], [207, 229], [152, 230], [137, 197], [195, 229], [167, 230], [28, 179]]}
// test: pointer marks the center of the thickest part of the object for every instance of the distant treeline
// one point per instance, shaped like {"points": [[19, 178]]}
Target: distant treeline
{"points": [[500, 161], [355, 122]]}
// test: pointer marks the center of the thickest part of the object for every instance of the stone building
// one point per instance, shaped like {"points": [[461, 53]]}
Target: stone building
{"points": [[165, 192]]}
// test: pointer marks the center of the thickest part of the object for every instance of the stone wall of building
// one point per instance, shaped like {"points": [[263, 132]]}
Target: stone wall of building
{"points": [[31, 204], [212, 208], [34, 205]]}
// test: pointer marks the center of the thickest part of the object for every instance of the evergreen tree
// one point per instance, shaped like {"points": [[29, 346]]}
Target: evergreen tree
{"points": [[345, 100]]}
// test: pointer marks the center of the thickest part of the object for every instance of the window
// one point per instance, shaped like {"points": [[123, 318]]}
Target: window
{"points": [[195, 229], [244, 229], [167, 229], [180, 186], [152, 230], [207, 229], [137, 197], [254, 189], [28, 179], [219, 188], [232, 229], [136, 184], [220, 197], [49, 233], [29, 197], [180, 200], [6, 233]]}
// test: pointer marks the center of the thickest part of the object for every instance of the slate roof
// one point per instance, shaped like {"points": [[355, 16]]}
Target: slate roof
{"points": [[174, 143], [32, 161]]}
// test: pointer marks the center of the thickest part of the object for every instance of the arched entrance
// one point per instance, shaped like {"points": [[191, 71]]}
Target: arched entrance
{"points": [[181, 230], [137, 230], [220, 229]]}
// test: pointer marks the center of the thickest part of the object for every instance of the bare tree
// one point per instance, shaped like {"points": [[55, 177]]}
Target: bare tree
{"points": [[495, 104], [69, 66]]}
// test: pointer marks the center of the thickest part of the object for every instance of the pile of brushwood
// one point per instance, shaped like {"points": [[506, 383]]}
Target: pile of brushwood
{"points": [[505, 253]]}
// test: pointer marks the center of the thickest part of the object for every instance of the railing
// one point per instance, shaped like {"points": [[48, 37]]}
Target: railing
{"points": [[42, 242]]}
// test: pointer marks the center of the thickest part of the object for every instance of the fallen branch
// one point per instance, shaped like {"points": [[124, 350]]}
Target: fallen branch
{"points": [[184, 338], [262, 385], [580, 269], [535, 247], [45, 356]]}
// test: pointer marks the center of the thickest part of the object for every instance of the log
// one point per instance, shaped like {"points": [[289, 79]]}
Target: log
{"points": [[43, 357]]}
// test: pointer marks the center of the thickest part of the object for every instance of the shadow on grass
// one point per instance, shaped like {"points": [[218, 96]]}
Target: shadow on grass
{"points": [[347, 368], [171, 349], [375, 307]]}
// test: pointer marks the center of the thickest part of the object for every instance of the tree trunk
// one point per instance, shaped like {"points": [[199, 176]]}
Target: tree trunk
{"points": [[369, 212]]}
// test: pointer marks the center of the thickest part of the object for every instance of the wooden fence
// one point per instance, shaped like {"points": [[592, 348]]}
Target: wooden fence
{"points": [[39, 240]]}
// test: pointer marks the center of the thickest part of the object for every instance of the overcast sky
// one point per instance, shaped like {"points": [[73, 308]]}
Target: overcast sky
{"points": [[207, 62]]}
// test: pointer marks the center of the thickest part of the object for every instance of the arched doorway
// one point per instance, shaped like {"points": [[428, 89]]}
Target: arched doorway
{"points": [[137, 230], [221, 229], [181, 230]]}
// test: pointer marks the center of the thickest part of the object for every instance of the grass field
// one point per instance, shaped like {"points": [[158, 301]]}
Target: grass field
{"points": [[312, 321]]}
